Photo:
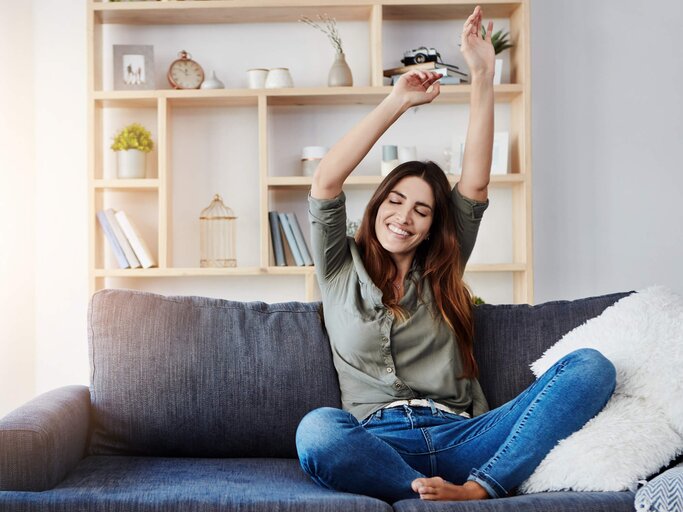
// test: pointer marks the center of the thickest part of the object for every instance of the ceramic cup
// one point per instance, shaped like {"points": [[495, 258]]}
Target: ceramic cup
{"points": [[407, 153], [278, 78], [256, 78]]}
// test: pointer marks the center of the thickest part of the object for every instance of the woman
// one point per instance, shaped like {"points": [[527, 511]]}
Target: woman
{"points": [[415, 420]]}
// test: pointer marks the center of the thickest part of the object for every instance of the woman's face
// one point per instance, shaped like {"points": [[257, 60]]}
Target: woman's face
{"points": [[405, 216]]}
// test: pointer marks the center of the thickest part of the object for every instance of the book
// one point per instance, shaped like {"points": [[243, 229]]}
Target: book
{"points": [[123, 241], [113, 242], [300, 240], [444, 80], [404, 69], [291, 241], [136, 241], [276, 238]]}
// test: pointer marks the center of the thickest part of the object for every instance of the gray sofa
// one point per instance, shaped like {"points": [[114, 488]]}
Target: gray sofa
{"points": [[194, 404]]}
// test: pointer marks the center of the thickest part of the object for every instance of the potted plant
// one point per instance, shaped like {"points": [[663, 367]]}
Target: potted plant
{"points": [[340, 73], [500, 42], [132, 145]]}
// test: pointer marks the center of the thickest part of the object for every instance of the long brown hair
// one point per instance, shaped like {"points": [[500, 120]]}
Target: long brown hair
{"points": [[438, 256]]}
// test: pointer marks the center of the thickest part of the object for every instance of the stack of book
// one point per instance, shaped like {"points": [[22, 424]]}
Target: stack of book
{"points": [[288, 240], [450, 73], [129, 247]]}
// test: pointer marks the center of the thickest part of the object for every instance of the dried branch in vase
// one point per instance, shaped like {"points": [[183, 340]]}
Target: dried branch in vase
{"points": [[327, 26]]}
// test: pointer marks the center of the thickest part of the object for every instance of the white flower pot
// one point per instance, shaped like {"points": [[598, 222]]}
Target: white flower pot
{"points": [[130, 164]]}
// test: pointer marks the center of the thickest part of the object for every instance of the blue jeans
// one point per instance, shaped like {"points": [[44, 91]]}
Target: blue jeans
{"points": [[381, 455]]}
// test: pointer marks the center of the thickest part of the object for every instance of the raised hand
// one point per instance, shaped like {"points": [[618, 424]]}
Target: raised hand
{"points": [[479, 54], [412, 87]]}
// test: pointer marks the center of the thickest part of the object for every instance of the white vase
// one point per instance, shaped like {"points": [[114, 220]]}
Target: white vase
{"points": [[130, 164], [340, 73]]}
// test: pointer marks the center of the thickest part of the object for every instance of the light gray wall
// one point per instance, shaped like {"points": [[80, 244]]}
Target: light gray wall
{"points": [[607, 144]]}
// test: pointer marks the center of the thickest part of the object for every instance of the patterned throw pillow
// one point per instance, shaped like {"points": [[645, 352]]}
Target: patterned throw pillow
{"points": [[662, 494]]}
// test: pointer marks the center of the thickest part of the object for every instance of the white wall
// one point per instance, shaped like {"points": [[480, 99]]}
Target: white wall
{"points": [[607, 136], [17, 203], [60, 194], [606, 120]]}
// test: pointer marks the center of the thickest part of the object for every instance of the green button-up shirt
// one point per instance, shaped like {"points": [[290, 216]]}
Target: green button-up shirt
{"points": [[378, 360]]}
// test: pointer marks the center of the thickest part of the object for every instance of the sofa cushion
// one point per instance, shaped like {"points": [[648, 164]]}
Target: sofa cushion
{"points": [[152, 484], [195, 376], [508, 338], [541, 502]]}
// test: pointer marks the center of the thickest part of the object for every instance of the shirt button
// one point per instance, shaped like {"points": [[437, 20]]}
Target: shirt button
{"points": [[398, 385], [389, 369], [384, 338]]}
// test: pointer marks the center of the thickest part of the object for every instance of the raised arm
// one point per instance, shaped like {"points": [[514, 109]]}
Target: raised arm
{"points": [[345, 155], [480, 58]]}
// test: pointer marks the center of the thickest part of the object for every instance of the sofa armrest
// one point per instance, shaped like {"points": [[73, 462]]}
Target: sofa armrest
{"points": [[41, 441]]}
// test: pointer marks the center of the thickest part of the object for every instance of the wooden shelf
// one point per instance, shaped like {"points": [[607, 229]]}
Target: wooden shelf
{"points": [[263, 271], [278, 11], [371, 181], [226, 11], [295, 96], [163, 109], [147, 184]]}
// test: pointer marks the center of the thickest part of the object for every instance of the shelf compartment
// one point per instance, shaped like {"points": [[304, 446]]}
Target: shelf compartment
{"points": [[226, 11], [367, 181]]}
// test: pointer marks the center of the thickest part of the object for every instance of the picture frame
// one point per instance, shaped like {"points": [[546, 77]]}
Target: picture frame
{"points": [[133, 67], [500, 156]]}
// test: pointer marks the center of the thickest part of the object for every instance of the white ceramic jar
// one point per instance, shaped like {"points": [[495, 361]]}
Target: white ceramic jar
{"points": [[256, 78], [279, 78], [310, 158]]}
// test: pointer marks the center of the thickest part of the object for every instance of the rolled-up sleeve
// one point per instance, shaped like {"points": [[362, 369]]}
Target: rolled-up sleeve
{"points": [[468, 215], [328, 235]]}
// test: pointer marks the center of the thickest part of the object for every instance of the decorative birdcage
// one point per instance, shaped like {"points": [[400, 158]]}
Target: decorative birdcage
{"points": [[217, 235]]}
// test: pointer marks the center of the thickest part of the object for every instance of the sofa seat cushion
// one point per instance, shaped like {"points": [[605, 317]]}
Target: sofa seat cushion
{"points": [[150, 484], [540, 502]]}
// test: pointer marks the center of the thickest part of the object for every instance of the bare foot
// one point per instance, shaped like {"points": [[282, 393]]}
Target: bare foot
{"points": [[438, 489]]}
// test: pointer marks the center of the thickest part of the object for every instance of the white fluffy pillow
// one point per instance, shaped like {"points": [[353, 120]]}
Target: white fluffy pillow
{"points": [[641, 427]]}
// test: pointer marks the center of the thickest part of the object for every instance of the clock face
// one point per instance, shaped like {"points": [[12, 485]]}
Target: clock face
{"points": [[185, 74]]}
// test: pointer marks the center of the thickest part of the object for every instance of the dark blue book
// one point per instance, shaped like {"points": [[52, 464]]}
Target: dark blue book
{"points": [[276, 238]]}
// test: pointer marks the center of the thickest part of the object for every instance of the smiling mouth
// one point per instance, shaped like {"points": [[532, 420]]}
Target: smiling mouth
{"points": [[397, 231]]}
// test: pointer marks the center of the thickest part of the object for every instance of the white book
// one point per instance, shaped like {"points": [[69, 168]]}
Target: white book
{"points": [[136, 241], [113, 242], [121, 238]]}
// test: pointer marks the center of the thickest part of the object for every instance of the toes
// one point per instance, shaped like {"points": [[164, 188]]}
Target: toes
{"points": [[417, 483]]}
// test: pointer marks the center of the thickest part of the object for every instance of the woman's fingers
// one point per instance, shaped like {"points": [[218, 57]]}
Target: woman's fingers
{"points": [[489, 31]]}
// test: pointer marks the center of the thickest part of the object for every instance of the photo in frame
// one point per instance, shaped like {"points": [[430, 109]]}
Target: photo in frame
{"points": [[133, 67]]}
